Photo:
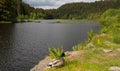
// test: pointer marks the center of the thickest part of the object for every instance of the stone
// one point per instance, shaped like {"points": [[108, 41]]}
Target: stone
{"points": [[89, 45], [106, 50], [107, 42], [71, 53], [67, 53], [42, 64], [114, 68], [118, 49], [103, 35]]}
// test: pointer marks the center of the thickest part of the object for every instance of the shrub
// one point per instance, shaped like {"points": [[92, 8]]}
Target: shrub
{"points": [[109, 17], [55, 52]]}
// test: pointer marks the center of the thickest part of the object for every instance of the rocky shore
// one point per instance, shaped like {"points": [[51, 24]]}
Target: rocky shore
{"points": [[73, 55], [43, 63]]}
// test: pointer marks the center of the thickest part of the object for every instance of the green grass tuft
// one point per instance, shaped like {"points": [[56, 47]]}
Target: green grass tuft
{"points": [[55, 53]]}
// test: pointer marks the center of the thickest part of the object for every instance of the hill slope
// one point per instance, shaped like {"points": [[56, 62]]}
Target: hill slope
{"points": [[85, 10]]}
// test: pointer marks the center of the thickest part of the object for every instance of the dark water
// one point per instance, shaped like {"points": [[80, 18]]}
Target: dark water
{"points": [[23, 45]]}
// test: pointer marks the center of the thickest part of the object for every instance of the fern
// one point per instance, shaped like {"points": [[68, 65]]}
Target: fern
{"points": [[55, 52]]}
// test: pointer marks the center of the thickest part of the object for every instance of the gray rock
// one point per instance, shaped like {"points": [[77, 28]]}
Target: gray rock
{"points": [[71, 53], [106, 50], [42, 64], [118, 49], [114, 68], [107, 42], [90, 45]]}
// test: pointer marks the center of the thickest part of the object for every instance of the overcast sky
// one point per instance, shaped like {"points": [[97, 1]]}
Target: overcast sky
{"points": [[50, 4]]}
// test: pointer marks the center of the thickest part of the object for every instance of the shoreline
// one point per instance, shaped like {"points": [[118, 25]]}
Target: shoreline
{"points": [[90, 54], [42, 64]]}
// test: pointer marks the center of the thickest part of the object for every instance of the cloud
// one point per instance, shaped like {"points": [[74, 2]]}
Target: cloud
{"points": [[49, 4]]}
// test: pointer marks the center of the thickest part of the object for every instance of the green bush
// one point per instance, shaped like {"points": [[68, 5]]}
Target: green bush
{"points": [[109, 17], [111, 21], [55, 52], [116, 35]]}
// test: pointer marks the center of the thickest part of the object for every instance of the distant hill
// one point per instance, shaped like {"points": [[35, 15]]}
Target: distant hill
{"points": [[12, 10], [85, 10]]}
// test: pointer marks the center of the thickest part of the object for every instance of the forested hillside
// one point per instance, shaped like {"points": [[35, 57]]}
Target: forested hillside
{"points": [[81, 10], [86, 10], [12, 10]]}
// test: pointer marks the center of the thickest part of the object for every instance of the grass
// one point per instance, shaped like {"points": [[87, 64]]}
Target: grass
{"points": [[55, 53], [78, 46], [80, 66], [58, 21], [90, 36], [5, 22], [95, 59], [63, 21], [82, 45], [92, 60]]}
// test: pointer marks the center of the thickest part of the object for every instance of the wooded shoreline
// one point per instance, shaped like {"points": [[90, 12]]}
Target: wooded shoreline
{"points": [[13, 11]]}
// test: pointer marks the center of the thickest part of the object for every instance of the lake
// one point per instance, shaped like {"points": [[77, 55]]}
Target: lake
{"points": [[23, 45]]}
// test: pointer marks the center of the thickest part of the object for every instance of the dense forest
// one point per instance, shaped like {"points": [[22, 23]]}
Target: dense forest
{"points": [[14, 10], [86, 10], [11, 10]]}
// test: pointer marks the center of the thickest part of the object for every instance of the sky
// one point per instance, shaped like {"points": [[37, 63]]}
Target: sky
{"points": [[51, 4]]}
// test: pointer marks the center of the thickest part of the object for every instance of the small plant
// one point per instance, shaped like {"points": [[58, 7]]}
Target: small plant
{"points": [[78, 47], [99, 42], [90, 36], [55, 52]]}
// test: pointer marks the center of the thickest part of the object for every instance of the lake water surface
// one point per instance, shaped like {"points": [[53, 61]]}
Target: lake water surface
{"points": [[23, 45]]}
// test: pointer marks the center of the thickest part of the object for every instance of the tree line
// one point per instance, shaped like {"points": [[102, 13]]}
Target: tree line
{"points": [[86, 10], [13, 10]]}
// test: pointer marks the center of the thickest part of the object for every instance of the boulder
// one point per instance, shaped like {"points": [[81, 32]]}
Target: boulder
{"points": [[42, 64], [114, 68], [90, 45], [118, 49], [106, 50]]}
